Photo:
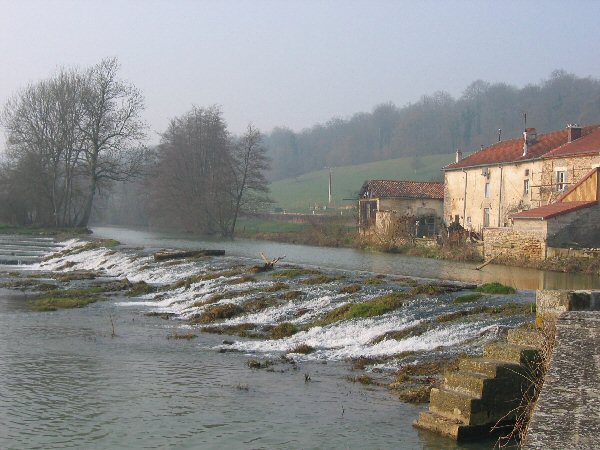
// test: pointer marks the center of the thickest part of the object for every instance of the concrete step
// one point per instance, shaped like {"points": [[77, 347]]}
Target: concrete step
{"points": [[439, 424], [470, 410], [525, 337], [452, 428], [493, 368], [484, 387], [516, 354]]}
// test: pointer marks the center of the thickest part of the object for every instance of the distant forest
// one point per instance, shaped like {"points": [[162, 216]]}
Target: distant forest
{"points": [[436, 124]]}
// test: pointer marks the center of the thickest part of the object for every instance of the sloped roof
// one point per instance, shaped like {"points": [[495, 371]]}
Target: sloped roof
{"points": [[512, 150], [402, 189], [589, 143], [552, 210]]}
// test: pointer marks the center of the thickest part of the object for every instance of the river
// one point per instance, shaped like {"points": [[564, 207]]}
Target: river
{"points": [[67, 382], [360, 260]]}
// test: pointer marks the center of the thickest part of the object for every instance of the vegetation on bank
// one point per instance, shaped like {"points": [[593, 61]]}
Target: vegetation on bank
{"points": [[59, 233]]}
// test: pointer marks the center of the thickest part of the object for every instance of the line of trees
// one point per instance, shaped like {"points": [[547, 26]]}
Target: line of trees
{"points": [[79, 133], [436, 124], [69, 137], [202, 178]]}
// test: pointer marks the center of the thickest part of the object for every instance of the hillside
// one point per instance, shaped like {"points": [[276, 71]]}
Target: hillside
{"points": [[436, 124], [299, 194]]}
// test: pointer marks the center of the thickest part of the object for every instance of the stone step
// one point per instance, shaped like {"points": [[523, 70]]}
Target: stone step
{"points": [[484, 387], [439, 424], [517, 354], [469, 410], [525, 337], [454, 429], [493, 368]]}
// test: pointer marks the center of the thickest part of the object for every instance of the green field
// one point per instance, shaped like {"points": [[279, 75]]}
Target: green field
{"points": [[301, 193]]}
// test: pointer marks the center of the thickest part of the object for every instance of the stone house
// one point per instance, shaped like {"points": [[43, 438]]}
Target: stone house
{"points": [[572, 221], [488, 187], [383, 203]]}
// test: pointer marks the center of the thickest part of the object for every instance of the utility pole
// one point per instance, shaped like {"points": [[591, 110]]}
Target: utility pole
{"points": [[329, 186]]}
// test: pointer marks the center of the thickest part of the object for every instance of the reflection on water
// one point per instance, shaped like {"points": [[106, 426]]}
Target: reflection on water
{"points": [[359, 260]]}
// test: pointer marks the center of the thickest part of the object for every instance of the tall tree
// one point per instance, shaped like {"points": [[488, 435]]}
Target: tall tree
{"points": [[70, 135], [250, 186], [112, 128], [192, 173]]}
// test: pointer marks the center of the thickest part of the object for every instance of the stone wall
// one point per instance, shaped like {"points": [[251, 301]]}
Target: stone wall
{"points": [[512, 244], [577, 229]]}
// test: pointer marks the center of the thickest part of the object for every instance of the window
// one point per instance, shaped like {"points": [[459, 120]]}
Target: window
{"points": [[561, 180], [526, 172], [486, 217], [526, 187], [487, 189]]}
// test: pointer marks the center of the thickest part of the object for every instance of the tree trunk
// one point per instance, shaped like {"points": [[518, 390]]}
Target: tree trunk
{"points": [[89, 201]]}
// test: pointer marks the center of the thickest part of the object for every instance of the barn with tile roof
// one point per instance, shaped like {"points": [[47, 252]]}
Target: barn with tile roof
{"points": [[382, 203]]}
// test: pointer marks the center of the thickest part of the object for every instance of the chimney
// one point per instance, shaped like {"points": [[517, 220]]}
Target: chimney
{"points": [[458, 155], [529, 138], [573, 132]]}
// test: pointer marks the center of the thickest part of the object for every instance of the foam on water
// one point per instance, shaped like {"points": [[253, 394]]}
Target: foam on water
{"points": [[337, 341]]}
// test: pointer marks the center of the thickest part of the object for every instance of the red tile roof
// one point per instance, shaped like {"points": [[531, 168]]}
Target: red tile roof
{"points": [[589, 143], [512, 150], [402, 189], [552, 210]]}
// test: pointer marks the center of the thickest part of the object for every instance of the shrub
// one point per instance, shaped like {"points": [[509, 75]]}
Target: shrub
{"points": [[495, 288]]}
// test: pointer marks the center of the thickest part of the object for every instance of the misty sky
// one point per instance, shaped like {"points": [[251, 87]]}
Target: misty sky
{"points": [[296, 63]]}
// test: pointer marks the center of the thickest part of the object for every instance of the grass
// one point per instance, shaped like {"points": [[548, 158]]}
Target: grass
{"points": [[75, 275], [241, 329], [140, 288], [183, 336], [320, 279], [495, 288], [42, 231], [351, 289], [374, 281], [291, 295], [276, 287], [283, 330], [362, 379], [303, 349], [467, 298], [298, 194], [66, 298], [217, 312], [293, 272], [55, 303], [398, 335], [376, 306], [162, 315], [507, 309], [256, 364], [187, 282], [252, 225]]}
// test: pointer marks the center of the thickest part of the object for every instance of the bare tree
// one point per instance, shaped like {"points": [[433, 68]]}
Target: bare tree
{"points": [[112, 129], [250, 186], [69, 135], [44, 143], [189, 183]]}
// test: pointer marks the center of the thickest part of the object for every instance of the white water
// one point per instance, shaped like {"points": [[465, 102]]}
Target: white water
{"points": [[338, 341]]}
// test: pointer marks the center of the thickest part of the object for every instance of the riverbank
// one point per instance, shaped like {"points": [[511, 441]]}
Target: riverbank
{"points": [[336, 233]]}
